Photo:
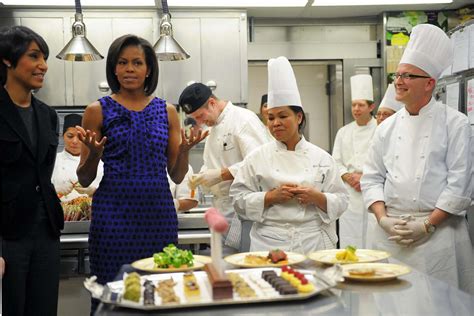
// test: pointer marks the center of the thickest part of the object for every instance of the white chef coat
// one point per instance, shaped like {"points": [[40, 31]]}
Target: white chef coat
{"points": [[350, 152], [237, 132], [65, 171], [181, 191], [417, 163], [289, 226]]}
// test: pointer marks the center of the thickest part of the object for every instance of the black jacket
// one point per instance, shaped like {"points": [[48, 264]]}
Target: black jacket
{"points": [[25, 177]]}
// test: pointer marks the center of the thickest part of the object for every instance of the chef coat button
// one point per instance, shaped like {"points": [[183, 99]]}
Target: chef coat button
{"points": [[396, 157], [396, 177], [278, 170], [414, 199], [37, 188], [422, 157], [399, 137]]}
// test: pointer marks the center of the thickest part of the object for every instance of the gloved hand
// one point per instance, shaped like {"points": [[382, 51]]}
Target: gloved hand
{"points": [[64, 187], [388, 224], [409, 233], [81, 190], [207, 178]]}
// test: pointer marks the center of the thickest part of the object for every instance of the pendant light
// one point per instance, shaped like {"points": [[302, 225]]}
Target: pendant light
{"points": [[167, 48], [79, 48]]}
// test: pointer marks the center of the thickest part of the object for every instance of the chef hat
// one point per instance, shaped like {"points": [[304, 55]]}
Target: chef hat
{"points": [[389, 100], [194, 96], [71, 120], [282, 88], [429, 49], [361, 88]]}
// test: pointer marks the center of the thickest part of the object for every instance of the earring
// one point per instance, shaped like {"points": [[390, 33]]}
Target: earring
{"points": [[8, 65]]}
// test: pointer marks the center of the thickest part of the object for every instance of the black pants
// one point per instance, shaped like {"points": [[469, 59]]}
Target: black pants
{"points": [[31, 280]]}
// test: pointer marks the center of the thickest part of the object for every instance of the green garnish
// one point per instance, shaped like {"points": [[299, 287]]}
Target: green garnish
{"points": [[351, 249], [171, 256]]}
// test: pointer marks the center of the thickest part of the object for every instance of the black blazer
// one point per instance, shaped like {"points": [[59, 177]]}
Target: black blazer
{"points": [[25, 177]]}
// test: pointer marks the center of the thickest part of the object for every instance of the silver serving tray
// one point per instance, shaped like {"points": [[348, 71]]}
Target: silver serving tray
{"points": [[111, 294]]}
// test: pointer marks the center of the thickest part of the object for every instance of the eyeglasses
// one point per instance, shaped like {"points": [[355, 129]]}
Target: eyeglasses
{"points": [[407, 75]]}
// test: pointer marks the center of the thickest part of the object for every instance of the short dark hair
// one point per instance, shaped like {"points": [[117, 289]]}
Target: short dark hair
{"points": [[14, 42], [296, 110], [151, 62]]}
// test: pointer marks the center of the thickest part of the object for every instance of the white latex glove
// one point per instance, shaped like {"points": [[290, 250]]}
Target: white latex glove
{"points": [[207, 178], [388, 224], [2, 267], [64, 187], [81, 190], [409, 233], [216, 191]]}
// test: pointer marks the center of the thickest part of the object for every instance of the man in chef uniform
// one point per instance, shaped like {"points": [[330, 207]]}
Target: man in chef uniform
{"points": [[416, 179], [234, 133], [64, 176], [389, 105], [350, 153]]}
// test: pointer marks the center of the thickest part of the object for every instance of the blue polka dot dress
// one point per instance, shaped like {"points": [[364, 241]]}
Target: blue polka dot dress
{"points": [[133, 214]]}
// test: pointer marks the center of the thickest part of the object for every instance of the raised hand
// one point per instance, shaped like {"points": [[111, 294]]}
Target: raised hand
{"points": [[89, 138], [196, 135]]}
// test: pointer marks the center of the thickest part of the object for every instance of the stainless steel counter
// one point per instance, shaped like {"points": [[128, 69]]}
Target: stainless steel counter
{"points": [[413, 294]]}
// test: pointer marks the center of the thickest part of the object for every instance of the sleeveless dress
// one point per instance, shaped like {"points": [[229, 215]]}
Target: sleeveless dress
{"points": [[133, 214]]}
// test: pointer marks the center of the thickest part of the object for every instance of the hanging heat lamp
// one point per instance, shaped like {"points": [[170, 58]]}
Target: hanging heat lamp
{"points": [[167, 48], [79, 48]]}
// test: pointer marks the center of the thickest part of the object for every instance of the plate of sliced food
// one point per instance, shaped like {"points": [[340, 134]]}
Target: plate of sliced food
{"points": [[272, 258], [348, 255], [172, 259], [374, 272]]}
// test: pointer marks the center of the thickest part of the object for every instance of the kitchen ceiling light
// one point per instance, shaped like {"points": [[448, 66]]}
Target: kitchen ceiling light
{"points": [[96, 3], [327, 3], [167, 48], [79, 48], [238, 3]]}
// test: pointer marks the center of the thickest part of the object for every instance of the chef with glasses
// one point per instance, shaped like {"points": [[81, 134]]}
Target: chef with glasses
{"points": [[417, 176]]}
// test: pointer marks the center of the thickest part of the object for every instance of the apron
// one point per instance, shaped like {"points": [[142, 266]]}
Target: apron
{"points": [[301, 239]]}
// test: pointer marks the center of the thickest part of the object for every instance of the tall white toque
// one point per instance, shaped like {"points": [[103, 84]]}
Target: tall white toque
{"points": [[389, 100], [282, 87], [429, 49], [361, 88]]}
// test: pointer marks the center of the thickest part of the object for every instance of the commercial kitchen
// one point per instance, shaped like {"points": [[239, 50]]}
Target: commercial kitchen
{"points": [[227, 46]]}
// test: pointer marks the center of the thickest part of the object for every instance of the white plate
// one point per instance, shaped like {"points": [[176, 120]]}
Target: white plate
{"points": [[148, 264], [238, 259], [328, 256], [382, 271]]}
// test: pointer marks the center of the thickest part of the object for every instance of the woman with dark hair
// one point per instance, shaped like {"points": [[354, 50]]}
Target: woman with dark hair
{"points": [[31, 216], [137, 136], [289, 188]]}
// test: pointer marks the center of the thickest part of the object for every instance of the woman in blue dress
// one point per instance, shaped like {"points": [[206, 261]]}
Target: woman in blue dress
{"points": [[137, 136]]}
